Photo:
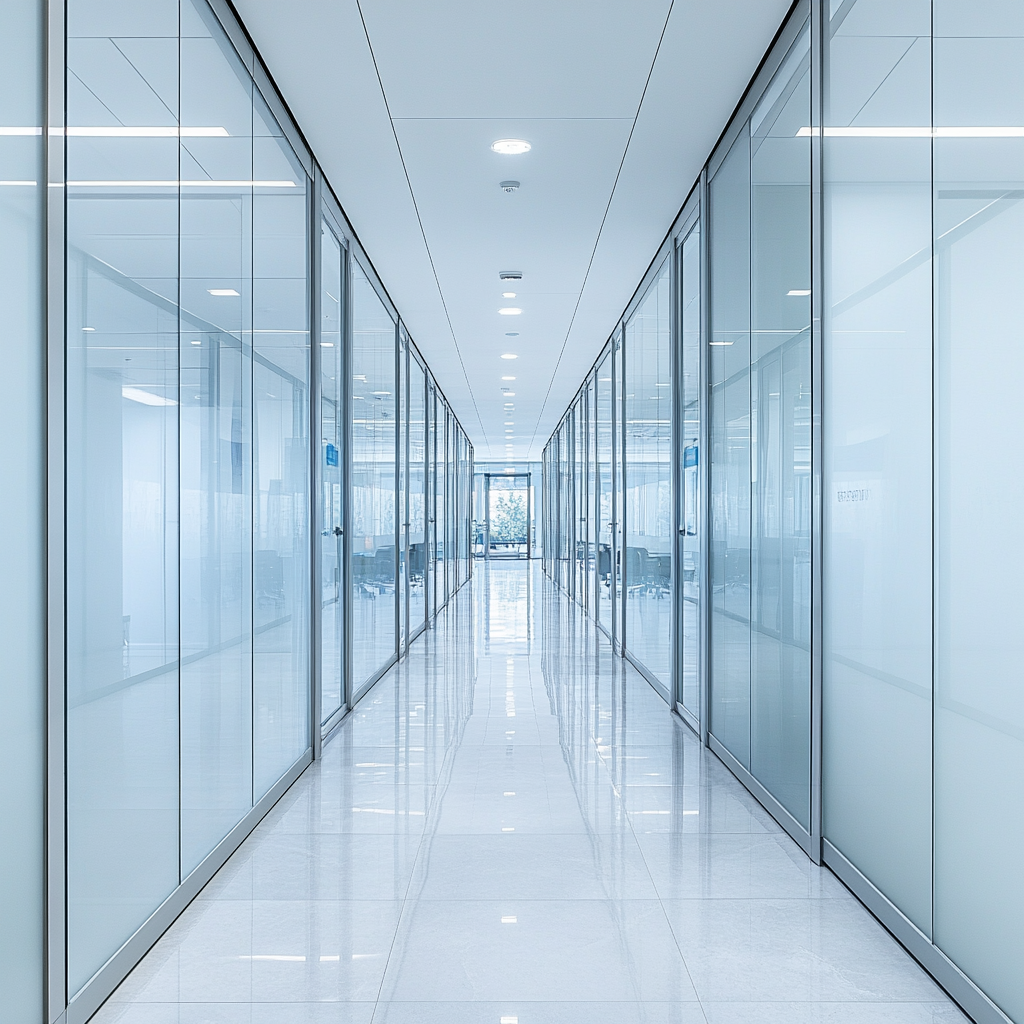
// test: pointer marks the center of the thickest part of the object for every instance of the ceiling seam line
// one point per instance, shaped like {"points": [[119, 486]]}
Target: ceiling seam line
{"points": [[604, 218], [419, 220]]}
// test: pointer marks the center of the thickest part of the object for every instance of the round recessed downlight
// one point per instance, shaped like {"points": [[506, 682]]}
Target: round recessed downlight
{"points": [[508, 378], [510, 147], [509, 355], [510, 311], [508, 295]]}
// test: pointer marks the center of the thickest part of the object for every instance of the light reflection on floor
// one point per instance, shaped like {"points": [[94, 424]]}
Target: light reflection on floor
{"points": [[512, 828]]}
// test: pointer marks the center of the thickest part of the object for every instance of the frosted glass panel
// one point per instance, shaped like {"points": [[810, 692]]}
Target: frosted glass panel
{"points": [[692, 519], [216, 442], [605, 537], [281, 555], [780, 269], [374, 446], [729, 216], [877, 559], [22, 513], [648, 484], [122, 481], [417, 494], [979, 492]]}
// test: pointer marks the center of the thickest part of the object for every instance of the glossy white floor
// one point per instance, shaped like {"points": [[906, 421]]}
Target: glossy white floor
{"points": [[511, 829]]}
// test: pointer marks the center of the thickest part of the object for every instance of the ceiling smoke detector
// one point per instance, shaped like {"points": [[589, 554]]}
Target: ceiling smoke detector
{"points": [[509, 186], [510, 275]]}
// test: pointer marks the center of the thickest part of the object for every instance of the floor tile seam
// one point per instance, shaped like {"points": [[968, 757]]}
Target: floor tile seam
{"points": [[664, 909]]}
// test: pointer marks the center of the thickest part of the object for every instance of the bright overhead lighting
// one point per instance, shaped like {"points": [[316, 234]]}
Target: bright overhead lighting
{"points": [[508, 378], [222, 291], [89, 329], [917, 132], [510, 311], [508, 295], [175, 183], [121, 131], [509, 423], [510, 394], [383, 394], [509, 919], [196, 343], [799, 291], [327, 344], [509, 355], [720, 343], [510, 147], [145, 397], [661, 385]]}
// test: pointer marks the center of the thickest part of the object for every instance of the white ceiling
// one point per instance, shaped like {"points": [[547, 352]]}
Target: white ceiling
{"points": [[621, 101]]}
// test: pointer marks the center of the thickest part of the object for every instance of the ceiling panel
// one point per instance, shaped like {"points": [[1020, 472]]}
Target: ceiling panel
{"points": [[567, 76], [531, 59]]}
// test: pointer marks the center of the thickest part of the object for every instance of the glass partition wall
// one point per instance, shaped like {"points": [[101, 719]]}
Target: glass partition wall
{"points": [[251, 442], [799, 409]]}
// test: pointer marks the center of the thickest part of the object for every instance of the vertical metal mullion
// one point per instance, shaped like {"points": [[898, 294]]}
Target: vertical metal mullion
{"points": [[56, 993], [622, 488], [345, 411], [398, 479], [316, 461], [704, 468], [817, 393], [408, 481], [675, 483], [613, 478]]}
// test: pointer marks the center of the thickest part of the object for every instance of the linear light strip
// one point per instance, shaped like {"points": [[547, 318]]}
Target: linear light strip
{"points": [[122, 132], [183, 184], [916, 132]]}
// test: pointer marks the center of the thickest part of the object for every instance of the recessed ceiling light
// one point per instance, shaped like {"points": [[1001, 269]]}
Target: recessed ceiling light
{"points": [[510, 147], [510, 394], [327, 344], [197, 343], [799, 291], [384, 394], [504, 311], [508, 378], [222, 291], [508, 295], [509, 355]]}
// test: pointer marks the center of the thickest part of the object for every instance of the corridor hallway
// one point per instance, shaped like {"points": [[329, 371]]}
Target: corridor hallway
{"points": [[511, 828]]}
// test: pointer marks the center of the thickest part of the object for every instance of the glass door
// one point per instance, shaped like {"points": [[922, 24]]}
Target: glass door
{"points": [[403, 493], [691, 518], [508, 511], [332, 379]]}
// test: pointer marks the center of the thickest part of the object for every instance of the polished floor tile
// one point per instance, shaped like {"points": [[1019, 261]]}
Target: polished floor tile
{"points": [[511, 828]]}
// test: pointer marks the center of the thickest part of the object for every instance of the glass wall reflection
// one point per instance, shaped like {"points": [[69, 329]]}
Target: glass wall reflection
{"points": [[374, 444], [689, 457], [332, 428], [188, 453], [647, 564], [417, 557]]}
